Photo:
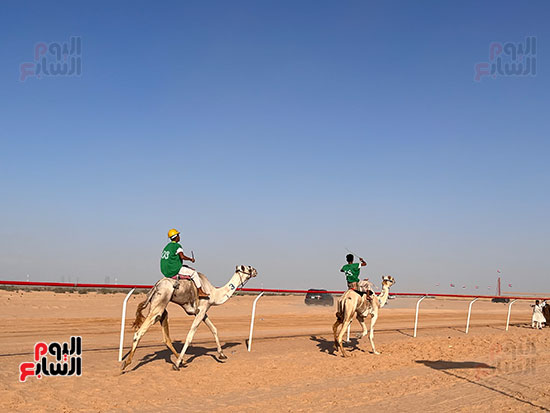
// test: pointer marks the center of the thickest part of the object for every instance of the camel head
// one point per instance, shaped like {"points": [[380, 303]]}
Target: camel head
{"points": [[388, 281], [246, 271]]}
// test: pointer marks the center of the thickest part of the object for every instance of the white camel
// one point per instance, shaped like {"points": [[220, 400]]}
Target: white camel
{"points": [[352, 303], [184, 293]]}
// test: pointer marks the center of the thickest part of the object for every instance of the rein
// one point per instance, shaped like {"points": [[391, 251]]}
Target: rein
{"points": [[243, 283]]}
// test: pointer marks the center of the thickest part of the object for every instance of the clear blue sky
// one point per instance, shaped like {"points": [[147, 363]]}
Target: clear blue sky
{"points": [[276, 134]]}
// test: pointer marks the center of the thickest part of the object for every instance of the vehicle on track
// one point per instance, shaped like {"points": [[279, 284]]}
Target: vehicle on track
{"points": [[317, 296]]}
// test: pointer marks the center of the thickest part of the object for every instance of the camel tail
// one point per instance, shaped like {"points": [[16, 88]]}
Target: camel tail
{"points": [[140, 318]]}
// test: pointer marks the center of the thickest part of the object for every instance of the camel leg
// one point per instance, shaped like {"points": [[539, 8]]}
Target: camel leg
{"points": [[364, 329], [214, 332], [198, 319], [335, 330], [166, 333], [340, 338], [335, 326], [371, 335], [153, 316]]}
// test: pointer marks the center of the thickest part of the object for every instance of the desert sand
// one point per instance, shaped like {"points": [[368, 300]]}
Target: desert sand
{"points": [[292, 366]]}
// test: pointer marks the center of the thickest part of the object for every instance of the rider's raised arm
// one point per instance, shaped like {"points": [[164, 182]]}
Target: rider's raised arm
{"points": [[184, 257]]}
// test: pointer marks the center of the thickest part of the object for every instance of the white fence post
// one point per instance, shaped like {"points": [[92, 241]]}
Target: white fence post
{"points": [[416, 317], [509, 311], [122, 324], [252, 320], [469, 312]]}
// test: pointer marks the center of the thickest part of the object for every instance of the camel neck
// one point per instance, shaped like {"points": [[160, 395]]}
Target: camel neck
{"points": [[383, 297], [222, 294]]}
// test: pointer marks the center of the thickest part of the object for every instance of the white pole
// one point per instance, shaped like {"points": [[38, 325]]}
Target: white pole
{"points": [[509, 311], [122, 324], [416, 317], [252, 320], [469, 312]]}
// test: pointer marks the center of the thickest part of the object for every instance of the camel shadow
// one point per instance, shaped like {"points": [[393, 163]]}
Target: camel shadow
{"points": [[192, 352], [324, 345], [443, 366], [327, 346], [448, 365]]}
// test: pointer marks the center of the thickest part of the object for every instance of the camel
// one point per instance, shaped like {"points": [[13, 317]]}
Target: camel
{"points": [[184, 293], [352, 303], [546, 312]]}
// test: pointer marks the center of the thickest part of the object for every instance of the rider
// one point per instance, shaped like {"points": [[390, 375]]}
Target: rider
{"points": [[171, 262], [351, 270]]}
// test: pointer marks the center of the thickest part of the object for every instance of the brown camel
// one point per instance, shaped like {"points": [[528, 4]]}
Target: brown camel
{"points": [[362, 305], [546, 313]]}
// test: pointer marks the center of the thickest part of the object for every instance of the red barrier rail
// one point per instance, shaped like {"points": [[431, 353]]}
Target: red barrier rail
{"points": [[82, 285], [252, 290]]}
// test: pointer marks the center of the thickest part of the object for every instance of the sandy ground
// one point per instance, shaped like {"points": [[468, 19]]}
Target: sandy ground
{"points": [[292, 366]]}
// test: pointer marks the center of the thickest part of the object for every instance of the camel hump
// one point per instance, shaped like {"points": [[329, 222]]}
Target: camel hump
{"points": [[186, 293]]}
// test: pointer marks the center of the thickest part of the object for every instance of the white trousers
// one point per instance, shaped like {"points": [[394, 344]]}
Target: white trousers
{"points": [[185, 270]]}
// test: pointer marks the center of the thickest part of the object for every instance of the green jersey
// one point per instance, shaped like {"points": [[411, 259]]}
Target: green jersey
{"points": [[352, 272], [170, 261]]}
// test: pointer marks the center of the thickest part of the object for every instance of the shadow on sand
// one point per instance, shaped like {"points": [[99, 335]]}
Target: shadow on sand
{"points": [[327, 346], [443, 366], [449, 365], [192, 353]]}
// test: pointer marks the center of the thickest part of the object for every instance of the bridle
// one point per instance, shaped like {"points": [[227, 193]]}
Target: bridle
{"points": [[242, 283]]}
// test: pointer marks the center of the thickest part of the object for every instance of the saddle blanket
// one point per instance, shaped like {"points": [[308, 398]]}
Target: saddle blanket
{"points": [[181, 277]]}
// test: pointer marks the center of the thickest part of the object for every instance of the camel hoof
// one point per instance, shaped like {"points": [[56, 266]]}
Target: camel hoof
{"points": [[222, 356], [175, 368], [376, 352]]}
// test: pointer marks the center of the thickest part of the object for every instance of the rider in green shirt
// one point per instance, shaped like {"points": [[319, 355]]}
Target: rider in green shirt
{"points": [[351, 270], [171, 262]]}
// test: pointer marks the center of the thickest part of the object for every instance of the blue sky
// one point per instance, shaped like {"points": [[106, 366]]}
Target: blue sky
{"points": [[276, 134]]}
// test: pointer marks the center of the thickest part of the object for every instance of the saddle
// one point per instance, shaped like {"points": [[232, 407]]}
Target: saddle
{"points": [[181, 277], [368, 293]]}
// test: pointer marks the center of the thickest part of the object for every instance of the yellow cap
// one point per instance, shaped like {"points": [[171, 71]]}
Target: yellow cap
{"points": [[172, 233]]}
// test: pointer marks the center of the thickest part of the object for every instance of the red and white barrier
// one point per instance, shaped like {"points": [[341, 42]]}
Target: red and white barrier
{"points": [[469, 313], [123, 323], [279, 291], [416, 314], [509, 310], [252, 321]]}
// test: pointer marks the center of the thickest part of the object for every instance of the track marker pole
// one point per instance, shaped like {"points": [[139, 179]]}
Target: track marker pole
{"points": [[252, 320], [416, 316], [509, 311], [122, 324], [470, 312]]}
